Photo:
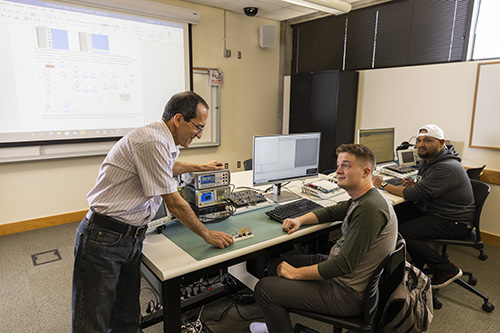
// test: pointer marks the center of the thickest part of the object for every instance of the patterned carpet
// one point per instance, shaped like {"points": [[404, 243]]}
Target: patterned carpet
{"points": [[35, 294]]}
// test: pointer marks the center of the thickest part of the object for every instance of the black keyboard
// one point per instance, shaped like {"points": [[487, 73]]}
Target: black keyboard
{"points": [[394, 181], [292, 209], [399, 168]]}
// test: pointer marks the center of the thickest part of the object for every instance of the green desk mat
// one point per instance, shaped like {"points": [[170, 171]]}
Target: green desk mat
{"points": [[263, 228]]}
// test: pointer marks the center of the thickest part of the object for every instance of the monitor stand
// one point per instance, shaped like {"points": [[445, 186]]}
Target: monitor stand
{"points": [[279, 196]]}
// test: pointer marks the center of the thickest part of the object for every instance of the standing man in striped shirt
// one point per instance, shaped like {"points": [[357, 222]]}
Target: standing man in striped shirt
{"points": [[135, 175]]}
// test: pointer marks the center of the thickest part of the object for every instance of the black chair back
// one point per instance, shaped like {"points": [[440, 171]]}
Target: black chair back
{"points": [[474, 173], [481, 191], [247, 164], [383, 282]]}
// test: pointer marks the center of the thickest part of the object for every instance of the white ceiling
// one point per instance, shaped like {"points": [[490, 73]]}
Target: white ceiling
{"points": [[271, 9]]}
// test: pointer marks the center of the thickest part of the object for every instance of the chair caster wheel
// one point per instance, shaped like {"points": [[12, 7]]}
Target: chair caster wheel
{"points": [[438, 305], [472, 281], [483, 256], [488, 307]]}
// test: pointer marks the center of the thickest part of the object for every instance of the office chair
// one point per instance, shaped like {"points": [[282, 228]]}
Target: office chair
{"points": [[481, 191], [384, 280], [474, 173], [247, 164]]}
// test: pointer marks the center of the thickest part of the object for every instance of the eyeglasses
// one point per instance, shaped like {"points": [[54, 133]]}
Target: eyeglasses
{"points": [[199, 128]]}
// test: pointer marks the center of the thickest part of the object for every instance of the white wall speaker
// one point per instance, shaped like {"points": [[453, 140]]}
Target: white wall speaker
{"points": [[267, 36]]}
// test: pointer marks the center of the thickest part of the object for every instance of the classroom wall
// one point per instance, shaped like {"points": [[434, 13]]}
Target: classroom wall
{"points": [[30, 190], [401, 97], [408, 97]]}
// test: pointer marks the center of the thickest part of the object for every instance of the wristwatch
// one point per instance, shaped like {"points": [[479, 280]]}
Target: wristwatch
{"points": [[383, 185]]}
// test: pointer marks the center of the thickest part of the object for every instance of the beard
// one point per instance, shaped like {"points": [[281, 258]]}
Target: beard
{"points": [[424, 155]]}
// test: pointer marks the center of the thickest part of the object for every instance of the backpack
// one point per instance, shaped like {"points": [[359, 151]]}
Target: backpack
{"points": [[409, 308]]}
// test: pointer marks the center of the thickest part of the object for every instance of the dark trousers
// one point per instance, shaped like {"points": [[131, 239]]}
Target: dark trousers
{"points": [[415, 226], [106, 281], [274, 295]]}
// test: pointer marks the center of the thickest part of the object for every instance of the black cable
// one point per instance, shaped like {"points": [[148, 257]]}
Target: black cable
{"points": [[213, 220], [223, 313], [218, 279], [250, 188], [155, 305], [281, 185], [242, 317]]}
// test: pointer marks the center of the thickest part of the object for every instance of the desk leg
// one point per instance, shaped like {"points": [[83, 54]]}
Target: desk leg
{"points": [[171, 296]]}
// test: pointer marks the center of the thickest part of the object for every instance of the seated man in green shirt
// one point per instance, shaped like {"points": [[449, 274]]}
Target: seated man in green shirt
{"points": [[332, 284]]}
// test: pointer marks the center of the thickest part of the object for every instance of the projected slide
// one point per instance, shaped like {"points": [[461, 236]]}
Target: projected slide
{"points": [[75, 71]]}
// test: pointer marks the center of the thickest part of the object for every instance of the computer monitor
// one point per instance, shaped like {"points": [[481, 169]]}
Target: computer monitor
{"points": [[280, 158], [162, 211], [407, 157], [161, 218], [380, 141]]}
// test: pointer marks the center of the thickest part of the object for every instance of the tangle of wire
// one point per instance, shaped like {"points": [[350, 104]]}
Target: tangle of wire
{"points": [[153, 305]]}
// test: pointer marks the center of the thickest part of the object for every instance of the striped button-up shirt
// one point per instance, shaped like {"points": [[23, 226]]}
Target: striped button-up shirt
{"points": [[136, 171]]}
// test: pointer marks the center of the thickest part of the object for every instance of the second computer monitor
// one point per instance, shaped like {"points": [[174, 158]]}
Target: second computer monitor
{"points": [[380, 141], [280, 158]]}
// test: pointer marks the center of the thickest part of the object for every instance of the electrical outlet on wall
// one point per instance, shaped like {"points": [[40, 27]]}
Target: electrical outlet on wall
{"points": [[238, 164], [226, 165]]}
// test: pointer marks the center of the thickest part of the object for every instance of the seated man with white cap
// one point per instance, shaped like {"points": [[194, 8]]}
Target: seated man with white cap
{"points": [[440, 204]]}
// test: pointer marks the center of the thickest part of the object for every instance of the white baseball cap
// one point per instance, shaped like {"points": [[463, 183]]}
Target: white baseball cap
{"points": [[434, 131]]}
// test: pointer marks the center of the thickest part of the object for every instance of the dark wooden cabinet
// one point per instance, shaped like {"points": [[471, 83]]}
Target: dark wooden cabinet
{"points": [[325, 102]]}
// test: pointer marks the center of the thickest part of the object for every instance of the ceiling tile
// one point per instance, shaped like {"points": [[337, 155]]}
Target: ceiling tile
{"points": [[271, 9]]}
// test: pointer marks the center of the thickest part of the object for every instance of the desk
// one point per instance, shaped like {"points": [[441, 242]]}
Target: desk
{"points": [[171, 266]]}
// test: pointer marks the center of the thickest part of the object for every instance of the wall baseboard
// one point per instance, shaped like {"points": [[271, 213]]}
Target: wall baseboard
{"points": [[49, 221], [490, 239]]}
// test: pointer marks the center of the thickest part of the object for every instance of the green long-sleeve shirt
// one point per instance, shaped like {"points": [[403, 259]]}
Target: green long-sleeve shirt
{"points": [[369, 233]]}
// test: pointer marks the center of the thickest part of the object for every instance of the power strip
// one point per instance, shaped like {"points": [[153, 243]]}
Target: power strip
{"points": [[214, 289]]}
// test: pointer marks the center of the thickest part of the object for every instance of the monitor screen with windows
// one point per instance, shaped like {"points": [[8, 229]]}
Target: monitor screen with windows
{"points": [[380, 141], [280, 158], [72, 72]]}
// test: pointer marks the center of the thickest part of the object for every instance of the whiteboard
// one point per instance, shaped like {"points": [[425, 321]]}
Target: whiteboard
{"points": [[485, 131], [211, 94], [210, 137]]}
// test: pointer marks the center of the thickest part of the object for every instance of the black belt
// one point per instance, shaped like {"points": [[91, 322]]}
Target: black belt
{"points": [[112, 224]]}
